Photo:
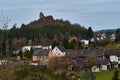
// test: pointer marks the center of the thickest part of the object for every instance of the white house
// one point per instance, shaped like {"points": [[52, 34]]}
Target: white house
{"points": [[86, 42], [25, 48], [112, 37], [115, 58], [59, 51]]}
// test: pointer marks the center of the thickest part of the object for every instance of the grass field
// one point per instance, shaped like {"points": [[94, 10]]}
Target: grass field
{"points": [[104, 75]]}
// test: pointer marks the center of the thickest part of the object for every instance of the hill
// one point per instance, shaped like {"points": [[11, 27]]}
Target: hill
{"points": [[44, 31], [107, 31], [46, 20]]}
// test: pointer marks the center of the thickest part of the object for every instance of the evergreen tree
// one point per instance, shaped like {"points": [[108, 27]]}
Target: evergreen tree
{"points": [[115, 75], [31, 50], [55, 44], [3, 48], [20, 54], [117, 35], [65, 43], [90, 33]]}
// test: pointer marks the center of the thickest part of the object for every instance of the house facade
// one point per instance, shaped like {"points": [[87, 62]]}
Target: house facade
{"points": [[41, 56], [95, 69], [59, 51], [102, 64], [114, 57]]}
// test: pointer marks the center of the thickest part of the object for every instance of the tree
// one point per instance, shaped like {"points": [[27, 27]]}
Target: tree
{"points": [[90, 33], [65, 43], [7, 72], [55, 43], [20, 54], [58, 63], [23, 26], [91, 59], [4, 22], [28, 54], [116, 75], [3, 48], [31, 50], [117, 39], [52, 64], [30, 42]]}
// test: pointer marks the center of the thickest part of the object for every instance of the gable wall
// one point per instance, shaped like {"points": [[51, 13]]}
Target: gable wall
{"points": [[57, 52]]}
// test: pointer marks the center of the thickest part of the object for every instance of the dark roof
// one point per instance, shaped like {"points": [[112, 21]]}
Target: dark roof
{"points": [[102, 62], [61, 48], [112, 52], [43, 52], [84, 53], [79, 61], [71, 54], [35, 52], [114, 63]]}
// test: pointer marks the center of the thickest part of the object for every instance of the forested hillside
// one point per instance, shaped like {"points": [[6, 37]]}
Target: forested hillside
{"points": [[52, 32]]}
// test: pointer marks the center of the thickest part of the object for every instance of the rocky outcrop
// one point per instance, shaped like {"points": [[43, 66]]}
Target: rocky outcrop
{"points": [[41, 15], [45, 20]]}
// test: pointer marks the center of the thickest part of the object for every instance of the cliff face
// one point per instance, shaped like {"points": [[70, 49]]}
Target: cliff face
{"points": [[46, 20]]}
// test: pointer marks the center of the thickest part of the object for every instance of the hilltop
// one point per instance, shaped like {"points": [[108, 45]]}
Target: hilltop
{"points": [[46, 20], [45, 31]]}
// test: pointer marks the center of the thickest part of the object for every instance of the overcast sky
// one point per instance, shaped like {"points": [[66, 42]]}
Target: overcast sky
{"points": [[99, 14]]}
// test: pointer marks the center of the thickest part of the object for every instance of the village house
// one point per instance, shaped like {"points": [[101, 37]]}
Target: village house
{"points": [[25, 48], [79, 56], [102, 64], [106, 59], [41, 56], [59, 51], [114, 57], [28, 48], [85, 42]]}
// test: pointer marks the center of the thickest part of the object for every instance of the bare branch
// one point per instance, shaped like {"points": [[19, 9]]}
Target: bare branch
{"points": [[4, 21]]}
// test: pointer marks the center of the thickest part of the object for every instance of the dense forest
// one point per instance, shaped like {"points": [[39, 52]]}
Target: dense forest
{"points": [[46, 35]]}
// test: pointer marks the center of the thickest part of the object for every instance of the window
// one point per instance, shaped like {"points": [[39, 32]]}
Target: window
{"points": [[94, 68], [58, 53], [118, 58]]}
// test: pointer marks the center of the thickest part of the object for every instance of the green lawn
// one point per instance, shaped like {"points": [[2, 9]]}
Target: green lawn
{"points": [[104, 75]]}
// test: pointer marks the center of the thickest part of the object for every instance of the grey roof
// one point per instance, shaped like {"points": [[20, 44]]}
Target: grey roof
{"points": [[79, 61], [71, 54], [102, 62], [112, 52], [61, 48], [41, 52], [37, 51], [84, 53]]}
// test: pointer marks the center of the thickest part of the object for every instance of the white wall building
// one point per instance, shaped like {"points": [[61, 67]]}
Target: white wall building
{"points": [[59, 51], [86, 42], [115, 58]]}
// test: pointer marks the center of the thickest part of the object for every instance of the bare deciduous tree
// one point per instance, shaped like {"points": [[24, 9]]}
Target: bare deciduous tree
{"points": [[91, 59], [4, 21]]}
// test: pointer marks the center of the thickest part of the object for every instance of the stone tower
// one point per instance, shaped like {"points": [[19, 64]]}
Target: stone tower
{"points": [[41, 15]]}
